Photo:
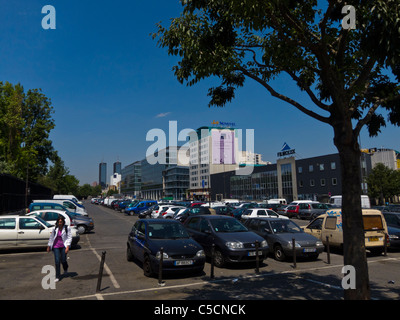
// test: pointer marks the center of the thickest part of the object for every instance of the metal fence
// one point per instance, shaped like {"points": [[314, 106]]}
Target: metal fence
{"points": [[16, 194]]}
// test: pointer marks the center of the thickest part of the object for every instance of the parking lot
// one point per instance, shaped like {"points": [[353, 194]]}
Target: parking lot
{"points": [[21, 274]]}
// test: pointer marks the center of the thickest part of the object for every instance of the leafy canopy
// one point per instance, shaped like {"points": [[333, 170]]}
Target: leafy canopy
{"points": [[347, 73]]}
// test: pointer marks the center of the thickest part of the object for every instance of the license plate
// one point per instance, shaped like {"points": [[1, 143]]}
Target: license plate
{"points": [[253, 253], [183, 262], [373, 238], [309, 250]]}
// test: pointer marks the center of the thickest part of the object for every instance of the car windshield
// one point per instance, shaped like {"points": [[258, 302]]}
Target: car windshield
{"points": [[167, 231], [180, 212], [227, 225], [285, 226], [48, 225]]}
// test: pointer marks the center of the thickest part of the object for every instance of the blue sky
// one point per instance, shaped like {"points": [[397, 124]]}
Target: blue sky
{"points": [[110, 84]]}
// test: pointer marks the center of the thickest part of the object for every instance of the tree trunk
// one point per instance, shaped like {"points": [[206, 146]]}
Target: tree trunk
{"points": [[353, 227]]}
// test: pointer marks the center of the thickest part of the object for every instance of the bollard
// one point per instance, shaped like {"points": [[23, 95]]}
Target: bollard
{"points": [[212, 260], [160, 282], [294, 253], [103, 258], [328, 250], [385, 245], [257, 258]]}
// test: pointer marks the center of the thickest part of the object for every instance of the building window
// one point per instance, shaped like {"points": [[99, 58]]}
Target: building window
{"points": [[300, 183], [312, 183], [300, 169], [333, 165], [322, 182], [321, 167], [334, 181], [310, 168]]}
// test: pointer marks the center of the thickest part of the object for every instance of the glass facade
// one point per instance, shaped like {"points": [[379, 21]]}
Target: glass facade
{"points": [[131, 179], [287, 185], [257, 186]]}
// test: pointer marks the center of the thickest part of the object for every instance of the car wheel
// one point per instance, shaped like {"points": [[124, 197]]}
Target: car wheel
{"points": [[147, 271], [81, 229], [278, 253], [129, 255], [219, 260]]}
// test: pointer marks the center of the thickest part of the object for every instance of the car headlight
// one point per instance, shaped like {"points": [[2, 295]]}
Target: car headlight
{"points": [[319, 244], [296, 244], [200, 254], [393, 236], [234, 245], [264, 244], [158, 255]]}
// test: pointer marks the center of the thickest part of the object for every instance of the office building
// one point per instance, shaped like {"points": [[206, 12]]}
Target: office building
{"points": [[103, 175], [164, 175], [117, 167], [214, 151], [131, 180]]}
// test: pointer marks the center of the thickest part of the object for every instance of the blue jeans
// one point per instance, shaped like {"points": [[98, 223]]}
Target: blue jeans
{"points": [[60, 257]]}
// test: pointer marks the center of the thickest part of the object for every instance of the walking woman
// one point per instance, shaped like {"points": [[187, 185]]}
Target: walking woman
{"points": [[60, 242]]}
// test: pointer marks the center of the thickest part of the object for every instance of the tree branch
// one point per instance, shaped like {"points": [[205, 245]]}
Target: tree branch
{"points": [[284, 98]]}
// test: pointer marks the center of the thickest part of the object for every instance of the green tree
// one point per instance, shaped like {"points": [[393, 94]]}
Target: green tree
{"points": [[25, 124], [349, 75], [59, 179], [383, 183]]}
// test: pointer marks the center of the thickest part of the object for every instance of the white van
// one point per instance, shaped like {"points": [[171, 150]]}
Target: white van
{"points": [[66, 197], [337, 201], [69, 204], [276, 201]]}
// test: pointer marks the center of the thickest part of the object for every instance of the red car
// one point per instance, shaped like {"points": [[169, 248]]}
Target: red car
{"points": [[292, 211]]}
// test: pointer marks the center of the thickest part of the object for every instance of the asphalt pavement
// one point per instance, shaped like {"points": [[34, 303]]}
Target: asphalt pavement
{"points": [[23, 274]]}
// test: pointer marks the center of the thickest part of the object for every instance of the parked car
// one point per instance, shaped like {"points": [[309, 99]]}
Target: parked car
{"points": [[51, 216], [233, 241], [140, 206], [124, 204], [279, 234], [157, 209], [224, 210], [312, 210], [34, 206], [69, 204], [393, 224], [146, 213], [26, 232], [194, 211], [169, 213], [247, 205], [237, 213], [329, 225], [181, 252], [83, 224], [259, 212], [292, 211]]}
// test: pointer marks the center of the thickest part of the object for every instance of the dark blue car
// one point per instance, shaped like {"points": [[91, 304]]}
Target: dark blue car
{"points": [[180, 251]]}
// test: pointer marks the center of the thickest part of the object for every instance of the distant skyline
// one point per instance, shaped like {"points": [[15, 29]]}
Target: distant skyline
{"points": [[110, 84]]}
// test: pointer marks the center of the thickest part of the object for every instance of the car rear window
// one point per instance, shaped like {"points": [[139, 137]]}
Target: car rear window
{"points": [[373, 222], [7, 223]]}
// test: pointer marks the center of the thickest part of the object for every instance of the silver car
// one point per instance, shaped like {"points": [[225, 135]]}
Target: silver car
{"points": [[280, 233]]}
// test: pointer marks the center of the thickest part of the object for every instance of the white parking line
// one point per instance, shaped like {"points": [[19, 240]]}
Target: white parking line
{"points": [[112, 278]]}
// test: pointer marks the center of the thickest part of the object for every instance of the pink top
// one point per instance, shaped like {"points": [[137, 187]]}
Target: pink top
{"points": [[58, 242]]}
